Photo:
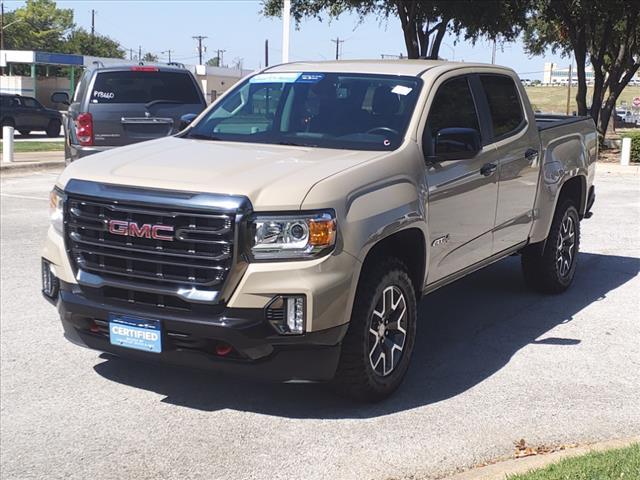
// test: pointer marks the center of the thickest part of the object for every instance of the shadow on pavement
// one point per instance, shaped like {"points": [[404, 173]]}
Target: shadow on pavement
{"points": [[467, 331]]}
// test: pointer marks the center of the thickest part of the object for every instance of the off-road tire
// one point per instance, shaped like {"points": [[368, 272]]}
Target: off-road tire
{"points": [[541, 265], [355, 375]]}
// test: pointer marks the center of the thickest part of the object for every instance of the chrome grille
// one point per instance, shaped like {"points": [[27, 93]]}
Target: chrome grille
{"points": [[199, 257]]}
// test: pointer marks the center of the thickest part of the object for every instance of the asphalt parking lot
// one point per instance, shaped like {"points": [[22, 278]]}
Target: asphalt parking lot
{"points": [[494, 363]]}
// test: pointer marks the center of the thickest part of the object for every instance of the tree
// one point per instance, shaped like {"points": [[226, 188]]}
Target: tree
{"points": [[424, 22], [81, 42], [149, 57], [39, 25], [214, 62], [605, 33]]}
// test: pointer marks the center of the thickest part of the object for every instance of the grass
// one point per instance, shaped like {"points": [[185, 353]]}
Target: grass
{"points": [[554, 99], [24, 147], [619, 464]]}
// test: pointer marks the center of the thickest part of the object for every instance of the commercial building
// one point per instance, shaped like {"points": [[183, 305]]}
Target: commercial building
{"points": [[555, 74]]}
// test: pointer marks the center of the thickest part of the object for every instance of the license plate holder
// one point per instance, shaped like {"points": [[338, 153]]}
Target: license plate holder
{"points": [[137, 333]]}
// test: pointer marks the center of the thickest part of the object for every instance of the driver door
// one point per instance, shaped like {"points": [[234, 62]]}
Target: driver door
{"points": [[462, 193]]}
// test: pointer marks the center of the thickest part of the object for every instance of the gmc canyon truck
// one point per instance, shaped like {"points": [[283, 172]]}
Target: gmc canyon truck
{"points": [[290, 229]]}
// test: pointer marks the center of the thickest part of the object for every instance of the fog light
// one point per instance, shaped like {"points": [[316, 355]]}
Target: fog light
{"points": [[50, 284], [287, 314]]}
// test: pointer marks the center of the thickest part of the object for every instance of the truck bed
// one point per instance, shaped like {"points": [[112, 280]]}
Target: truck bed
{"points": [[545, 121]]}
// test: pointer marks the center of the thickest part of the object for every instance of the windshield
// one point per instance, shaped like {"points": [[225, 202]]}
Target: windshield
{"points": [[331, 110]]}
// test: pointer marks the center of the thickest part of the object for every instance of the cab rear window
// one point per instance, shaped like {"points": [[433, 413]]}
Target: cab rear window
{"points": [[143, 87]]}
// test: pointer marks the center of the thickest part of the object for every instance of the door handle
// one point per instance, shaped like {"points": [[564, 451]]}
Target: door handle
{"points": [[488, 169], [531, 154]]}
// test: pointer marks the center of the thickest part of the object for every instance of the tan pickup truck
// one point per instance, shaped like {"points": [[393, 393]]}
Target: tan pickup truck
{"points": [[290, 230]]}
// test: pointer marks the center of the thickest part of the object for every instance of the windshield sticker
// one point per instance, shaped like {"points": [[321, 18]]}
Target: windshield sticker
{"points": [[103, 95], [310, 77], [274, 78], [401, 90]]}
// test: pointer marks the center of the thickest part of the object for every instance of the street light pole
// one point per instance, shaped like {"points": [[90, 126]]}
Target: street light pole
{"points": [[286, 27]]}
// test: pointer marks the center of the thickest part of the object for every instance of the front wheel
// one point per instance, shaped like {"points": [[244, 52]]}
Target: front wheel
{"points": [[553, 269], [377, 347]]}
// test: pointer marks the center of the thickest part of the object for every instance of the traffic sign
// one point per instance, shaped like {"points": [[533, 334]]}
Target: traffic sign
{"points": [[636, 102]]}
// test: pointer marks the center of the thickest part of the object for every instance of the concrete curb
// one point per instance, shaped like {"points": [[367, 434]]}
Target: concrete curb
{"points": [[31, 166], [500, 471]]}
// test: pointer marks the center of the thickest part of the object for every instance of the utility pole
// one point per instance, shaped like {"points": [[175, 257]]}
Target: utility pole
{"points": [[131, 54], [220, 54], [93, 23], [493, 52], [266, 53], [199, 38], [337, 41], [169, 53], [569, 86], [139, 53]]}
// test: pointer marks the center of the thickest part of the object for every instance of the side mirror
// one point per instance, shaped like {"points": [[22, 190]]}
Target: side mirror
{"points": [[457, 144], [60, 97], [185, 120]]}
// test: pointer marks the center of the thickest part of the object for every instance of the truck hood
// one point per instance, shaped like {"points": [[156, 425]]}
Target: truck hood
{"points": [[273, 177]]}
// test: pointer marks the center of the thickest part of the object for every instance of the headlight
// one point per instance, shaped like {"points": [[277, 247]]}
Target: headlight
{"points": [[55, 210], [293, 236]]}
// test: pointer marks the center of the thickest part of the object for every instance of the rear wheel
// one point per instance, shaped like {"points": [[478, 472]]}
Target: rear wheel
{"points": [[53, 130], [553, 269], [377, 347]]}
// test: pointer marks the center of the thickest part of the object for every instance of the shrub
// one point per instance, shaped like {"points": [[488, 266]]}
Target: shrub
{"points": [[635, 145]]}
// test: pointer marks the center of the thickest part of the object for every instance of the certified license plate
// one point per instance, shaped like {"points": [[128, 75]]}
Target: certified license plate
{"points": [[137, 333]]}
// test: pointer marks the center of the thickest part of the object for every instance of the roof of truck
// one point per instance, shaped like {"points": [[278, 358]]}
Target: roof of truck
{"points": [[387, 67]]}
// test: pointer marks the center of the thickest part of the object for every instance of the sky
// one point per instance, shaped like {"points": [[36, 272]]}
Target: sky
{"points": [[238, 27]]}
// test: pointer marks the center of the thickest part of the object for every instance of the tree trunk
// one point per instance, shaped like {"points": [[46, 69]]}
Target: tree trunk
{"points": [[580, 54], [409, 30], [437, 41]]}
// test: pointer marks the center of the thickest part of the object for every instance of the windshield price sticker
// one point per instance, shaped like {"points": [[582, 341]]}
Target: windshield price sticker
{"points": [[401, 90]]}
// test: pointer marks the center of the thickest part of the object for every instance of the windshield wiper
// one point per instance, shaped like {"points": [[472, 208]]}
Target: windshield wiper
{"points": [[294, 144], [160, 100]]}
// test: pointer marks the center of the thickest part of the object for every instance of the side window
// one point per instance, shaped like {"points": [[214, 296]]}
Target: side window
{"points": [[504, 104], [452, 107], [29, 102], [82, 86]]}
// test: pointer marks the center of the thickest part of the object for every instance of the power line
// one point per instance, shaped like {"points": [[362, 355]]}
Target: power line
{"points": [[200, 38]]}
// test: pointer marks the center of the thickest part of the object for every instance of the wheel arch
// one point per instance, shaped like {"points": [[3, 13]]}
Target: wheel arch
{"points": [[409, 246]]}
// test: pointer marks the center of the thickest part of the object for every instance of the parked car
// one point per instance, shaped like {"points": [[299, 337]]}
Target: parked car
{"points": [[115, 106], [290, 231], [26, 114]]}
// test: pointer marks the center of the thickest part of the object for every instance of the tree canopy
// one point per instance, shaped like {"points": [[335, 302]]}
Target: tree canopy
{"points": [[603, 33], [41, 25], [424, 23]]}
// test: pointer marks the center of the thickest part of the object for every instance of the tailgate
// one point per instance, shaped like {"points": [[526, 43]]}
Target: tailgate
{"points": [[123, 124]]}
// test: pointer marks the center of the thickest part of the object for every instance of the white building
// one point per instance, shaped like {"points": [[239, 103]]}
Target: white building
{"points": [[554, 74]]}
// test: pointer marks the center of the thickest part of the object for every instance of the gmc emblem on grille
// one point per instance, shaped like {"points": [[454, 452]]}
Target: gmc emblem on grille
{"points": [[146, 230]]}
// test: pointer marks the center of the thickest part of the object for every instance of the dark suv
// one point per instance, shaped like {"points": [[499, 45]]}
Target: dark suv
{"points": [[115, 106], [26, 114]]}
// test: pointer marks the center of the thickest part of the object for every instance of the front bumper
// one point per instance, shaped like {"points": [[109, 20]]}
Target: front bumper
{"points": [[189, 340]]}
